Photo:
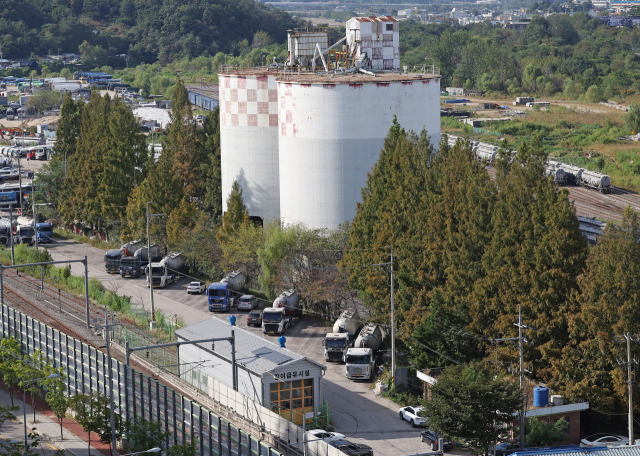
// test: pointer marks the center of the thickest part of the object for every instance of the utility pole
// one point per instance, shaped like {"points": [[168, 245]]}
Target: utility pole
{"points": [[107, 327], [628, 338], [393, 322], [149, 271], [630, 385], [521, 340], [13, 261], [393, 329], [521, 353], [35, 215]]}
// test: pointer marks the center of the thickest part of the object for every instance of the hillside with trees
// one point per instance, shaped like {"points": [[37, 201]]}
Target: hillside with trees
{"points": [[147, 31], [559, 55]]}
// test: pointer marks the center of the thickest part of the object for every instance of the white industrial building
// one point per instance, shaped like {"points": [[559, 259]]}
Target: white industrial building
{"points": [[277, 378], [300, 140]]}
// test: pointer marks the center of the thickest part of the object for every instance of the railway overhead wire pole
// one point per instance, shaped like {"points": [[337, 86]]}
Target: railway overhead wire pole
{"points": [[44, 263]]}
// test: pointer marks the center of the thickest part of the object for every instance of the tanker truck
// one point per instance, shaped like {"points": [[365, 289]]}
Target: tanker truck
{"points": [[222, 295], [348, 322], [135, 264], [336, 343], [130, 247], [290, 302], [360, 361], [167, 271]]}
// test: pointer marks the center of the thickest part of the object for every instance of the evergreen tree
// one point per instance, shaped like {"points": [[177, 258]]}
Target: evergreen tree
{"points": [[387, 216], [182, 145], [110, 152], [211, 168], [69, 125], [468, 403], [532, 260], [606, 306], [454, 225], [236, 215]]}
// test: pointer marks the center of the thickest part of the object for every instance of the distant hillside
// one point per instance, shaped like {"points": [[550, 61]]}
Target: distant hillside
{"points": [[149, 30]]}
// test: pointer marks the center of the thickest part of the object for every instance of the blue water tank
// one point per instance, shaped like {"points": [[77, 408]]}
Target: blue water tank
{"points": [[540, 396], [232, 320]]}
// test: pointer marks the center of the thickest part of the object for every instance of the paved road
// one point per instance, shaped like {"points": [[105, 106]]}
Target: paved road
{"points": [[355, 410], [46, 428]]}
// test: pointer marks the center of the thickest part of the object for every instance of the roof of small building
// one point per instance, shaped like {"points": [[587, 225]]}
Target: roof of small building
{"points": [[632, 450], [252, 351], [375, 19]]}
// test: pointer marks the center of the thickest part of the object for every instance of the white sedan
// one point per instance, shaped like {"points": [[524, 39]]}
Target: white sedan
{"points": [[412, 415], [321, 434], [196, 287], [604, 439]]}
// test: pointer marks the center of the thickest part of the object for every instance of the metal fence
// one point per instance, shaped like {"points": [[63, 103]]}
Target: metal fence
{"points": [[136, 395]]}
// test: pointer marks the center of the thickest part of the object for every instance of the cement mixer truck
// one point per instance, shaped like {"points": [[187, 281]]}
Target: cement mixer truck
{"points": [[290, 302], [167, 271], [337, 342], [223, 295], [360, 361], [135, 264]]}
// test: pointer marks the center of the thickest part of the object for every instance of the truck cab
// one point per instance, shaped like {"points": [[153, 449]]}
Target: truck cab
{"points": [[130, 266], [360, 363], [25, 234], [44, 232], [335, 346], [275, 321], [219, 297], [112, 261]]}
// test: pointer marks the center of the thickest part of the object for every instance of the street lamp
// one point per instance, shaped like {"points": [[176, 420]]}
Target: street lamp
{"points": [[152, 450], [24, 404], [149, 271]]}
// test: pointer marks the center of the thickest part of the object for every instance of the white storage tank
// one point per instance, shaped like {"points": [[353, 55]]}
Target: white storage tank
{"points": [[331, 132], [249, 139]]}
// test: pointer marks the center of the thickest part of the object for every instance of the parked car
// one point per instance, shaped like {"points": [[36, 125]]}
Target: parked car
{"points": [[254, 318], [504, 448], [412, 415], [432, 438], [247, 302], [352, 449], [196, 287], [604, 439], [321, 434]]}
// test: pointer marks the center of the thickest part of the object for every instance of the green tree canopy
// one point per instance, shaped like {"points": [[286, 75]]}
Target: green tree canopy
{"points": [[471, 404]]}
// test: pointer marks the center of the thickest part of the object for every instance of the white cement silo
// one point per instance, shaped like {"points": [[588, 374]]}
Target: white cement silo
{"points": [[249, 139], [331, 132]]}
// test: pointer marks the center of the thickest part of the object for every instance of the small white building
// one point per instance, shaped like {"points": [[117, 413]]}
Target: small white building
{"points": [[378, 37], [279, 379]]}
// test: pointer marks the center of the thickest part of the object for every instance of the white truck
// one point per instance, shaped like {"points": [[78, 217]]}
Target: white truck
{"points": [[166, 271], [360, 361], [25, 234], [275, 321], [336, 346]]}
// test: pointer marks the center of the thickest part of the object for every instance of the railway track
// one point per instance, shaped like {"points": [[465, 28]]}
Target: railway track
{"points": [[62, 311], [589, 203]]}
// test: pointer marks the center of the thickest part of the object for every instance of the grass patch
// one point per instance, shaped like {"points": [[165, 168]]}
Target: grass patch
{"points": [[94, 242], [584, 136]]}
